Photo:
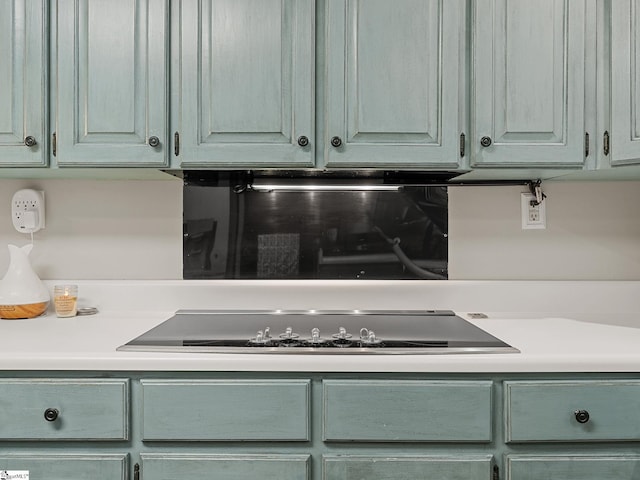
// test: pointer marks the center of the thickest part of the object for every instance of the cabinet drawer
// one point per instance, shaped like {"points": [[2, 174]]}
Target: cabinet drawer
{"points": [[550, 411], [572, 467], [378, 467], [68, 466], [158, 466], [225, 410], [406, 411], [78, 409]]}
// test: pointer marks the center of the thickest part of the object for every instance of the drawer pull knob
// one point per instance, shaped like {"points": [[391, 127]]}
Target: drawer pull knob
{"points": [[154, 141], [30, 141], [51, 414], [336, 142], [582, 416], [303, 141], [486, 141]]}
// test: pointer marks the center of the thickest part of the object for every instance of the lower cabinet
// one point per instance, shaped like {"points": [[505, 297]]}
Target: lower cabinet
{"points": [[235, 467], [63, 466], [573, 467], [378, 467], [314, 426]]}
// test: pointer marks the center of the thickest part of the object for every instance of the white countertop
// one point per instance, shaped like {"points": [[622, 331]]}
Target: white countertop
{"points": [[583, 341]]}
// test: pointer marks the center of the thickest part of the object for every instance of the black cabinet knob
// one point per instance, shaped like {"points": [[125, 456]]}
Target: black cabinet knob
{"points": [[303, 141], [582, 416], [485, 141], [154, 141], [30, 141], [336, 142], [51, 414]]}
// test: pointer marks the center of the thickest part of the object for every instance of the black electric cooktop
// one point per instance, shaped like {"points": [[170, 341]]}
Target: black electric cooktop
{"points": [[318, 332]]}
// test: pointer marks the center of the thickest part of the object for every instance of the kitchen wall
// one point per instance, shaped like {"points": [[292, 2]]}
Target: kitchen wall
{"points": [[103, 229]]}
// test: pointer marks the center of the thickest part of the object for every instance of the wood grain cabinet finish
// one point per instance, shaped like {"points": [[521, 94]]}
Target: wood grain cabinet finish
{"points": [[625, 82], [573, 467], [220, 410], [59, 409], [529, 83], [160, 466], [112, 83], [405, 467], [395, 88], [407, 411], [244, 80], [580, 411], [23, 83], [64, 465]]}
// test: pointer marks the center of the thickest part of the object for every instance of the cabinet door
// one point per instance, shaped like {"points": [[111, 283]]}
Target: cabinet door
{"points": [[529, 83], [64, 466], [112, 83], [23, 81], [160, 466], [245, 77], [625, 82], [395, 85], [388, 467], [572, 467]]}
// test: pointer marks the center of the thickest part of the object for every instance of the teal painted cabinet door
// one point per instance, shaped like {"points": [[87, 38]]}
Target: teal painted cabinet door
{"points": [[23, 83], [395, 83], [244, 73], [528, 94], [112, 80], [573, 467], [625, 82]]}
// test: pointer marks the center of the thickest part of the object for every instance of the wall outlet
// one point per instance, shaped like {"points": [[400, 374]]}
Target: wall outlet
{"points": [[27, 210], [533, 216]]}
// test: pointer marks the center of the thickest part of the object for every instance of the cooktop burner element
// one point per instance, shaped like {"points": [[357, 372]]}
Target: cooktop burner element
{"points": [[322, 332]]}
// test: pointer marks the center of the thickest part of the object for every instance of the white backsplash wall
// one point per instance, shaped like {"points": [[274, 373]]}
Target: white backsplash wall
{"points": [[593, 233], [133, 230], [101, 229]]}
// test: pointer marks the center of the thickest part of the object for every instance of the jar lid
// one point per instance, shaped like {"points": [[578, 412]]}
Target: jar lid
{"points": [[87, 311]]}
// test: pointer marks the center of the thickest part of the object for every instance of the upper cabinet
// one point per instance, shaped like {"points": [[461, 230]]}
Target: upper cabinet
{"points": [[244, 82], [23, 77], [625, 82], [111, 83], [395, 83], [532, 80]]}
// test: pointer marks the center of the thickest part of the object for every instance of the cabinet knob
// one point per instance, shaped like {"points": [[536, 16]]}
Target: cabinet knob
{"points": [[582, 416], [303, 141], [336, 142], [51, 414], [486, 141], [154, 141], [30, 141]]}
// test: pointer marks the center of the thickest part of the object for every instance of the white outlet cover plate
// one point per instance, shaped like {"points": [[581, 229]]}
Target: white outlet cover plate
{"points": [[27, 205], [525, 204]]}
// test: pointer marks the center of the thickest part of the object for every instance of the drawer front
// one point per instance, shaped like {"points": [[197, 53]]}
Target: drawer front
{"points": [[79, 409], [64, 466], [460, 467], [546, 411], [406, 411], [237, 467], [226, 410], [572, 467]]}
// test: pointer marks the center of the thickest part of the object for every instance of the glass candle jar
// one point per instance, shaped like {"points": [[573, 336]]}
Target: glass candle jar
{"points": [[65, 300]]}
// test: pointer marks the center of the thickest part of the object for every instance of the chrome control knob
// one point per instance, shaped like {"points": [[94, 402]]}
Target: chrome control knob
{"points": [[369, 337], [315, 336], [342, 334], [262, 337], [288, 334]]}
